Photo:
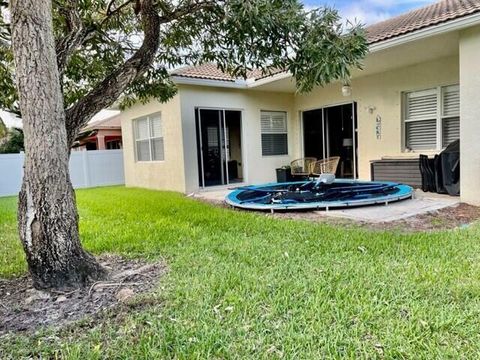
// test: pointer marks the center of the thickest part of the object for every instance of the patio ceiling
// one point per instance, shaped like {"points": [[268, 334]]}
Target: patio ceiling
{"points": [[404, 55]]}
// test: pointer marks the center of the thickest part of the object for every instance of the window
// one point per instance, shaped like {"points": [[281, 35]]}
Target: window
{"points": [[149, 138], [432, 118], [114, 145], [450, 114], [274, 133]]}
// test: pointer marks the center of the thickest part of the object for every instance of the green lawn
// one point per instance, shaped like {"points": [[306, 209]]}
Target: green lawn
{"points": [[244, 285]]}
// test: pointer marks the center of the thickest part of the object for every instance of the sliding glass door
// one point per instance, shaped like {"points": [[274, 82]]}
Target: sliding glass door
{"points": [[218, 146], [331, 131]]}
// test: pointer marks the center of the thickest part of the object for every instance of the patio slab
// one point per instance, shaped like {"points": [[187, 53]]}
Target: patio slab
{"points": [[422, 203]]}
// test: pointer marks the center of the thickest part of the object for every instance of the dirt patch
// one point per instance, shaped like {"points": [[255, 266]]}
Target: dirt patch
{"points": [[460, 215], [215, 202], [23, 308]]}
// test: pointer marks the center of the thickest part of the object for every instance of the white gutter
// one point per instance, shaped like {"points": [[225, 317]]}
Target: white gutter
{"points": [[237, 84], [266, 80], [451, 25]]}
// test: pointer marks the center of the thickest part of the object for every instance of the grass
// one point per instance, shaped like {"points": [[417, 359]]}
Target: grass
{"points": [[244, 285]]}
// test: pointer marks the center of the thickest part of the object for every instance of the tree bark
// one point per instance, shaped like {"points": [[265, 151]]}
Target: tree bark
{"points": [[48, 219]]}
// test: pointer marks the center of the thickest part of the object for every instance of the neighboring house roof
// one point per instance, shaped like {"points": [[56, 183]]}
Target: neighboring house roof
{"points": [[3, 130], [113, 122], [106, 118], [11, 120], [422, 18]]}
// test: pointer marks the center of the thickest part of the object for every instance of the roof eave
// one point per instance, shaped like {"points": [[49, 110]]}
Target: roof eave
{"points": [[182, 80], [237, 84], [441, 28], [269, 79]]}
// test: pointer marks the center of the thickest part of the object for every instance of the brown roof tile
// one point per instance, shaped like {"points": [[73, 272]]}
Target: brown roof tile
{"points": [[430, 15], [424, 17], [210, 71]]}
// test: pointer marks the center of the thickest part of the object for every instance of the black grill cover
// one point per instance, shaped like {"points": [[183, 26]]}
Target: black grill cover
{"points": [[449, 167]]}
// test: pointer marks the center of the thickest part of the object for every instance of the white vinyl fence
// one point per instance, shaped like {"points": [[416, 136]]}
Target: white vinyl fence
{"points": [[87, 169]]}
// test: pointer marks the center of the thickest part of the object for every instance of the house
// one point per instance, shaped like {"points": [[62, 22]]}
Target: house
{"points": [[102, 134], [10, 120], [417, 93]]}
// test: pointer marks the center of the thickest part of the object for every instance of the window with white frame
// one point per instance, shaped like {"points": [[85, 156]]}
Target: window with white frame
{"points": [[274, 133], [432, 118], [149, 138]]}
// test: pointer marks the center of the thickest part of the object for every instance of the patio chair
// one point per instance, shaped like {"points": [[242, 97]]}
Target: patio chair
{"points": [[325, 166], [302, 167]]}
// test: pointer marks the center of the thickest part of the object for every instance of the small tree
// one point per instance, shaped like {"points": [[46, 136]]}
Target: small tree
{"points": [[76, 57]]}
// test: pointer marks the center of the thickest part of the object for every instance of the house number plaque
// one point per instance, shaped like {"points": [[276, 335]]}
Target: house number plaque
{"points": [[378, 127]]}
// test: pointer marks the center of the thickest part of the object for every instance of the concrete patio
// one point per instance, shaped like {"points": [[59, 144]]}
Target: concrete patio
{"points": [[422, 203]]}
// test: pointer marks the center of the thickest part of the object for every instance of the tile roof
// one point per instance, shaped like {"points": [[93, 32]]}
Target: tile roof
{"points": [[113, 122], [210, 71], [430, 15], [421, 18]]}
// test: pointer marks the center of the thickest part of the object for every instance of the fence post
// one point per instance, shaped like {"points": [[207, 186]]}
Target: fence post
{"points": [[86, 172]]}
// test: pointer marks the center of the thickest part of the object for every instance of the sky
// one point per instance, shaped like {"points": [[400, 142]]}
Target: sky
{"points": [[369, 11]]}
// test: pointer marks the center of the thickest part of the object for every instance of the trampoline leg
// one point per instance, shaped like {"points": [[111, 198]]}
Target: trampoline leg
{"points": [[272, 211]]}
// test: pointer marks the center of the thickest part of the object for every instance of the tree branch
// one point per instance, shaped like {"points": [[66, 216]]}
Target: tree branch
{"points": [[187, 9], [111, 13], [110, 89], [107, 91], [77, 32], [75, 37]]}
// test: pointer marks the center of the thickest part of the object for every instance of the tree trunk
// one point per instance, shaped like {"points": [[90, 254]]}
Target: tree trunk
{"points": [[47, 215]]}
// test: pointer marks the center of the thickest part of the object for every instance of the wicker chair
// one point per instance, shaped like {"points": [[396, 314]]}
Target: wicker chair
{"points": [[325, 166], [302, 167]]}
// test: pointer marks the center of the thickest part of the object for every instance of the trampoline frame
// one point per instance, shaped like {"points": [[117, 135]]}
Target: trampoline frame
{"points": [[405, 192]]}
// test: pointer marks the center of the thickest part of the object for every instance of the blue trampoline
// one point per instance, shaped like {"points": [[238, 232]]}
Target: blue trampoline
{"points": [[313, 195]]}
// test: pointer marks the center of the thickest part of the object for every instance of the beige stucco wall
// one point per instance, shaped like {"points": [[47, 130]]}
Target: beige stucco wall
{"points": [[470, 116], [168, 174], [384, 93], [257, 168]]}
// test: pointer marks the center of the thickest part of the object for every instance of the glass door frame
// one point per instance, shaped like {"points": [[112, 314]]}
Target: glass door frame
{"points": [[326, 136], [224, 150]]}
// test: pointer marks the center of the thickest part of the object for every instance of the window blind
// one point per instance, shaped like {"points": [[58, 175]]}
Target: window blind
{"points": [[274, 133], [421, 135], [422, 104], [451, 114], [451, 101], [432, 118]]}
